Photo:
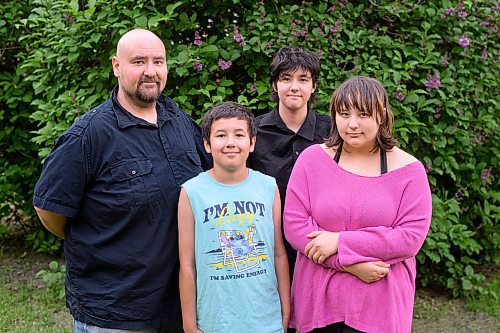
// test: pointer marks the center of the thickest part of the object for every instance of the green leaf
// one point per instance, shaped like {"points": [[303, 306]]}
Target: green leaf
{"points": [[397, 77], [54, 265], [226, 83], [153, 21], [73, 4], [181, 71], [467, 284], [411, 98], [183, 57], [73, 56], [171, 8], [141, 21], [95, 37], [469, 271], [210, 49]]}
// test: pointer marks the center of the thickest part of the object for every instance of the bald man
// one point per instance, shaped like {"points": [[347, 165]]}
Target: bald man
{"points": [[110, 188]]}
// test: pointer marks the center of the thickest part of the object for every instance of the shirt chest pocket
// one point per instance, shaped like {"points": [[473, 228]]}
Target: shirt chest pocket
{"points": [[133, 182], [185, 165]]}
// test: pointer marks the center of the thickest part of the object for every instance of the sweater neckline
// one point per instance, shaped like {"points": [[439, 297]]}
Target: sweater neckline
{"points": [[334, 165]]}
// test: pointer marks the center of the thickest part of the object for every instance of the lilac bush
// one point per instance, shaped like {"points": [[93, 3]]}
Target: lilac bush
{"points": [[439, 61]]}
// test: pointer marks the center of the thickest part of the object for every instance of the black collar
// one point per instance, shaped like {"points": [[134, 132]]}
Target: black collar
{"points": [[306, 130], [164, 110]]}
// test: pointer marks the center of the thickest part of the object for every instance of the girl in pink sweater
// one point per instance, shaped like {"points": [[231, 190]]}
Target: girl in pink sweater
{"points": [[357, 210]]}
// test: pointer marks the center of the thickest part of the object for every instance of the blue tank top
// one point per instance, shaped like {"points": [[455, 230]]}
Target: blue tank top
{"points": [[236, 284]]}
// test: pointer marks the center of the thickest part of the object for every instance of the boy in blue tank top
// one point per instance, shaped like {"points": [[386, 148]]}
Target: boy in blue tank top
{"points": [[234, 269]]}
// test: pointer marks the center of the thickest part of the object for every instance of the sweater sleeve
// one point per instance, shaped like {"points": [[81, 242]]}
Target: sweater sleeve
{"points": [[297, 219], [400, 241]]}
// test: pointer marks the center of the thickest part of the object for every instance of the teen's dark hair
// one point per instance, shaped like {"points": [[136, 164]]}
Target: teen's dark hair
{"points": [[368, 95], [227, 110], [289, 59]]}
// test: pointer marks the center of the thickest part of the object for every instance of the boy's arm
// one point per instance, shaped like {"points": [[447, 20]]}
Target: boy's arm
{"points": [[187, 273], [281, 263]]}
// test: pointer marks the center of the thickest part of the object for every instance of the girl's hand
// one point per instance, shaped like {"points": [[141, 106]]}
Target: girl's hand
{"points": [[370, 271], [323, 245]]}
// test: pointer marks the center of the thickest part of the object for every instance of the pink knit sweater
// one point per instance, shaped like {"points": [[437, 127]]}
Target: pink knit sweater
{"points": [[379, 218]]}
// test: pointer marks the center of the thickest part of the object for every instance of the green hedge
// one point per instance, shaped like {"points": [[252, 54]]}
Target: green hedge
{"points": [[438, 60]]}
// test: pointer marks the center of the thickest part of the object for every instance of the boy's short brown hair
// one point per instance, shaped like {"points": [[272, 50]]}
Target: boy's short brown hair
{"points": [[227, 110]]}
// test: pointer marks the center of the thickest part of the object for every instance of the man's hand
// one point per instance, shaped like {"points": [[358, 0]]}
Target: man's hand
{"points": [[368, 272], [323, 245]]}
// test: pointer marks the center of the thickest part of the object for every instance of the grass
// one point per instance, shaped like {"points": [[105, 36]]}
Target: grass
{"points": [[489, 302], [29, 309], [426, 310], [27, 305]]}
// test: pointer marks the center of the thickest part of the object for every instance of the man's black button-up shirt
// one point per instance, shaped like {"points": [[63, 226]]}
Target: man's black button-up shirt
{"points": [[117, 178]]}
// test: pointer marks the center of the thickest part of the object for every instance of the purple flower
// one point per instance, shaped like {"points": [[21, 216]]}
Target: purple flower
{"points": [[432, 82], [320, 32], [428, 168], [484, 56], [462, 14], [459, 195], [280, 37], [238, 37], [197, 38], [464, 41], [225, 64], [484, 23], [478, 139], [253, 88], [301, 33], [444, 62], [68, 17], [450, 11], [197, 66], [485, 174], [336, 26], [399, 95]]}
